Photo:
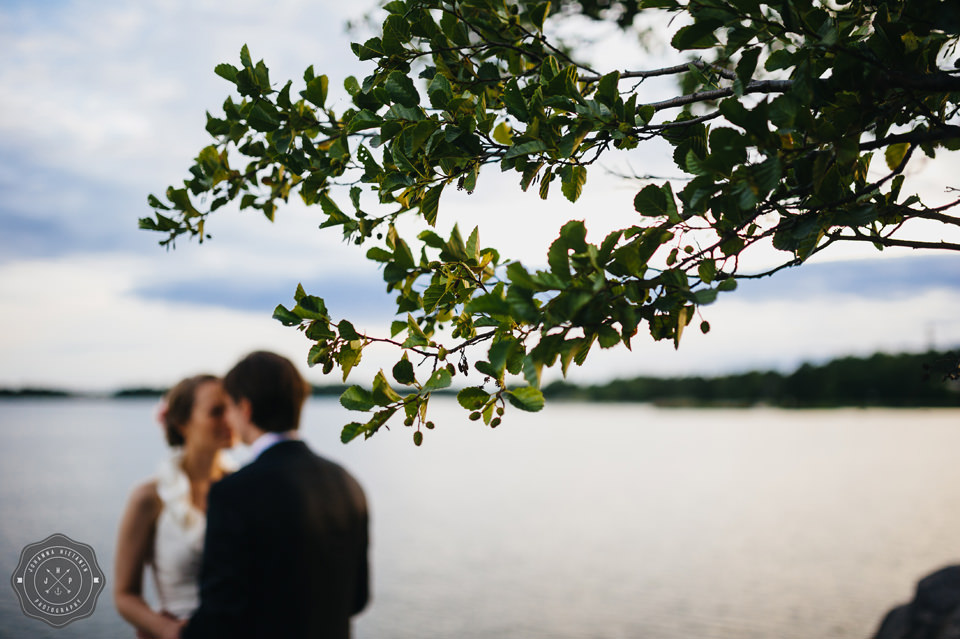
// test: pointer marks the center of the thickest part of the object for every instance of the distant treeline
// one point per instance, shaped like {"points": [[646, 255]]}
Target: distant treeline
{"points": [[925, 379], [130, 393], [920, 379], [33, 392]]}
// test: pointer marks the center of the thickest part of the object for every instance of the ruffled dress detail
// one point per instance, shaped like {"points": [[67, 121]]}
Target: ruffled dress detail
{"points": [[178, 544]]}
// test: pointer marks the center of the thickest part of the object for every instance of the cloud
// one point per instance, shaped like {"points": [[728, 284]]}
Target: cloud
{"points": [[50, 211], [892, 279], [103, 103], [350, 297]]}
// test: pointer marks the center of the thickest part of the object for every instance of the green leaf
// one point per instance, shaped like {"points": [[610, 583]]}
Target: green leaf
{"points": [[503, 134], [728, 284], [575, 234], [431, 239], [654, 201], [415, 335], [372, 48], [285, 317], [433, 295], [263, 117], [545, 183], [747, 64], [383, 394], [430, 204], [895, 154], [439, 91], [440, 379], [779, 59], [539, 14], [320, 330], [705, 296], [400, 88], [357, 398], [348, 358], [519, 276], [378, 254], [699, 35], [484, 367], [572, 180], [403, 372], [316, 91], [351, 86], [608, 337], [364, 119], [549, 69], [318, 354], [472, 249], [608, 88], [707, 270], [526, 148], [645, 112], [498, 355], [768, 174], [351, 431], [514, 102], [558, 257], [473, 397], [311, 307], [227, 72], [490, 304], [526, 398], [347, 331]]}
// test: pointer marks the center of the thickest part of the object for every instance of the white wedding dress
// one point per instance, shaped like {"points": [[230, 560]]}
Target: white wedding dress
{"points": [[178, 543]]}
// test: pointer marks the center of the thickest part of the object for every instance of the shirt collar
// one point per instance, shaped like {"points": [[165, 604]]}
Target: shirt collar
{"points": [[266, 440]]}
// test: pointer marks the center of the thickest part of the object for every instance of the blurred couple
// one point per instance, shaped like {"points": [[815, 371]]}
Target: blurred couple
{"points": [[277, 548]]}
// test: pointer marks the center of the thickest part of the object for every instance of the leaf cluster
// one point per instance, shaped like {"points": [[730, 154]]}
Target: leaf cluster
{"points": [[780, 112]]}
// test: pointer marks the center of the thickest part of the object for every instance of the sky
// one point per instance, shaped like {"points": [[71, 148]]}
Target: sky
{"points": [[103, 103]]}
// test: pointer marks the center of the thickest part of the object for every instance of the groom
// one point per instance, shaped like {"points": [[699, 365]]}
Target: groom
{"points": [[285, 553]]}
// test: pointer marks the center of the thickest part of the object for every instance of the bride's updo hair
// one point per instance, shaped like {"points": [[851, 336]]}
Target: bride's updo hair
{"points": [[179, 406]]}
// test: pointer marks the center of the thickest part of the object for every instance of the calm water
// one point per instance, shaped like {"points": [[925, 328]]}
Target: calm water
{"points": [[580, 521]]}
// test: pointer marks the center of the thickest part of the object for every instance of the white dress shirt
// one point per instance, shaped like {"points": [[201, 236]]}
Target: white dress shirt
{"points": [[265, 441]]}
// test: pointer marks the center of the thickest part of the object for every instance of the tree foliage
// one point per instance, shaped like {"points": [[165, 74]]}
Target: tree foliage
{"points": [[917, 379], [794, 120]]}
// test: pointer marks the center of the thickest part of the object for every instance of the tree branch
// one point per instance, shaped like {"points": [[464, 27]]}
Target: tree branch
{"points": [[674, 125], [757, 86], [888, 241], [947, 132], [653, 73], [933, 214], [933, 82]]}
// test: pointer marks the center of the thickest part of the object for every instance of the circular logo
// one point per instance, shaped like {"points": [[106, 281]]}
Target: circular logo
{"points": [[58, 580]]}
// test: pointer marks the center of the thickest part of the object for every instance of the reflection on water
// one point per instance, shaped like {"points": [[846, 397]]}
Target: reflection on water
{"points": [[580, 521]]}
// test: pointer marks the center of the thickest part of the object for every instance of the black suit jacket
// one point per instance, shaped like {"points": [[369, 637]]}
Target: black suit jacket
{"points": [[285, 553]]}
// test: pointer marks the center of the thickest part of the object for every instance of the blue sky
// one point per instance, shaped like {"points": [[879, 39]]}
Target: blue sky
{"points": [[103, 102]]}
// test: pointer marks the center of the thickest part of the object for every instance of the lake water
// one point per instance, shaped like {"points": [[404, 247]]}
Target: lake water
{"points": [[579, 521]]}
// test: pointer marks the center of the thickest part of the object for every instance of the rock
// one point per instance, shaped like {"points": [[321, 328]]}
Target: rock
{"points": [[934, 612]]}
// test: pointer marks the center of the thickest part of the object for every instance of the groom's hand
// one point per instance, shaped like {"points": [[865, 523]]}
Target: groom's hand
{"points": [[170, 630], [175, 628]]}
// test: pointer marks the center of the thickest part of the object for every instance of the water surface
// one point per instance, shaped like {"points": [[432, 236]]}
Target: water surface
{"points": [[583, 520]]}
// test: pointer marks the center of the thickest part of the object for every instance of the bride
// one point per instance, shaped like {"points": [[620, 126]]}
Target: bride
{"points": [[164, 522]]}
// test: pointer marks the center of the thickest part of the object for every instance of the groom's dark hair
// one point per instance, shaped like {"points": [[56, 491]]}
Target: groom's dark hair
{"points": [[274, 388]]}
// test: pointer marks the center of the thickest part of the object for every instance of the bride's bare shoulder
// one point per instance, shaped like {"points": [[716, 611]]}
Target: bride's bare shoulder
{"points": [[145, 500]]}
